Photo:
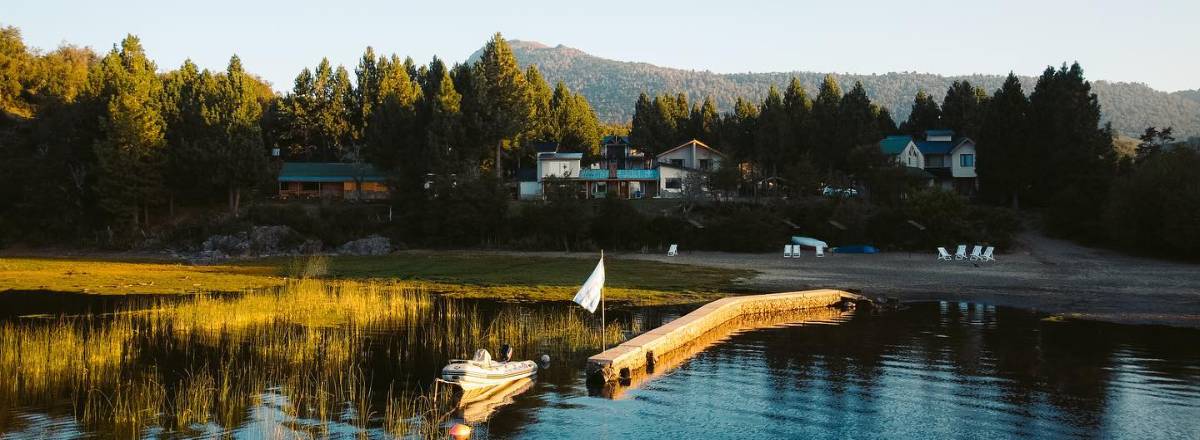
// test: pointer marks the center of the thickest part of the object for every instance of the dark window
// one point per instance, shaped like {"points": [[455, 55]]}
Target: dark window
{"points": [[677, 162], [966, 160], [705, 164], [674, 183], [310, 186]]}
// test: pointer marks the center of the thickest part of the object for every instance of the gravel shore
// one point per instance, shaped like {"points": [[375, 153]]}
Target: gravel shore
{"points": [[1043, 274]]}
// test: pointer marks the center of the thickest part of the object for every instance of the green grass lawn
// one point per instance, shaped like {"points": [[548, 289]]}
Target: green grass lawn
{"points": [[452, 273]]}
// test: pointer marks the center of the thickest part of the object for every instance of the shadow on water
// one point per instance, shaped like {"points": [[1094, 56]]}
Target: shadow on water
{"points": [[343, 359]]}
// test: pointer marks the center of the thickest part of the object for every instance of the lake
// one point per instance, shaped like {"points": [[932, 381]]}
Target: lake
{"points": [[359, 360]]}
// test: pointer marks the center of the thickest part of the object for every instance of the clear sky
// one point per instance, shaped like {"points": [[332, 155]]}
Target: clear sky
{"points": [[1152, 41]]}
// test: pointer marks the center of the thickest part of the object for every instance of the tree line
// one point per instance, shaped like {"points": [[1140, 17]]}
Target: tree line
{"points": [[104, 145]]}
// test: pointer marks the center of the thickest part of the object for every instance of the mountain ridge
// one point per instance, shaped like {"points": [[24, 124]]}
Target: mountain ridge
{"points": [[612, 87]]}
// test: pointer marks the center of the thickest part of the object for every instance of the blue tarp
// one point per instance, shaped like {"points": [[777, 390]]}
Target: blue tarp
{"points": [[856, 249]]}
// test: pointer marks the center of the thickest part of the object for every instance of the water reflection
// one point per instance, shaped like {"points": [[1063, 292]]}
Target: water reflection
{"points": [[931, 370], [358, 360]]}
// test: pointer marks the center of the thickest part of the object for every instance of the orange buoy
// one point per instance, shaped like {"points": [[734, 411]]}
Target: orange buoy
{"points": [[460, 431]]}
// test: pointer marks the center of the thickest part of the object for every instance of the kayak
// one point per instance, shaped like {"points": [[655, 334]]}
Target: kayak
{"points": [[809, 242]]}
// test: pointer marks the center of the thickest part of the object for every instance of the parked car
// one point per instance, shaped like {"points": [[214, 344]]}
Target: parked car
{"points": [[831, 191]]}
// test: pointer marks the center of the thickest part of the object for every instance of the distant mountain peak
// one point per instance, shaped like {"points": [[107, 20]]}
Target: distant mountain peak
{"points": [[612, 87]]}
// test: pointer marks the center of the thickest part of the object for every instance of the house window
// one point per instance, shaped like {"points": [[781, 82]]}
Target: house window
{"points": [[934, 161], [677, 162], [310, 186], [966, 160], [674, 183], [705, 164]]}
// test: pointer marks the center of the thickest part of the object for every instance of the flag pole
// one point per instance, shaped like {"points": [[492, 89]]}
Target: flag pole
{"points": [[603, 333]]}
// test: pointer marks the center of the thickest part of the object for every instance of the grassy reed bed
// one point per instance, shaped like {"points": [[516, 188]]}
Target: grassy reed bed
{"points": [[313, 355]]}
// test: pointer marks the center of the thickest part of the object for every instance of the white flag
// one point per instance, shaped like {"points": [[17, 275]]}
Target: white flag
{"points": [[589, 294]]}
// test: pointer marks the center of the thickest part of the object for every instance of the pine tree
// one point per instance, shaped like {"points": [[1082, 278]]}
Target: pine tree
{"points": [[798, 142], [443, 126], [541, 125], [1076, 160], [1003, 145], [393, 142], [504, 107], [925, 115], [576, 127], [641, 130], [366, 91], [704, 120], [962, 110], [858, 124], [770, 135], [130, 149], [825, 124], [241, 160]]}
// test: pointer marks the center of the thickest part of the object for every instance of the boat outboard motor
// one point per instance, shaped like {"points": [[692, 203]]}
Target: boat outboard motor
{"points": [[505, 353]]}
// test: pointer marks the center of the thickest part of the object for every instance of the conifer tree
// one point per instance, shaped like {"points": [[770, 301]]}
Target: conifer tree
{"points": [[925, 115], [576, 127], [641, 130], [1076, 160], [366, 91], [771, 133], [241, 161], [962, 110], [443, 126], [704, 120], [504, 107], [1003, 145], [130, 149], [825, 118], [541, 125]]}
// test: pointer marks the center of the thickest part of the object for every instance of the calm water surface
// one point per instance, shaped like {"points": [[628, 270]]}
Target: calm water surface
{"points": [[930, 370]]}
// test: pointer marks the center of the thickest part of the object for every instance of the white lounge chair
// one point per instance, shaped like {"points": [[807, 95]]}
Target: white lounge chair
{"points": [[977, 253], [988, 254], [943, 254], [795, 251], [961, 252], [787, 251], [820, 251], [673, 250]]}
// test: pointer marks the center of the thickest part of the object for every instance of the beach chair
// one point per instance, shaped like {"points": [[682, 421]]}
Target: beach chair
{"points": [[787, 251], [988, 254], [673, 250], [961, 252], [977, 253], [943, 254], [795, 251], [820, 251]]}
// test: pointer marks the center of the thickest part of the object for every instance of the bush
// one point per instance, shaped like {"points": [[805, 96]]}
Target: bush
{"points": [[1157, 207]]}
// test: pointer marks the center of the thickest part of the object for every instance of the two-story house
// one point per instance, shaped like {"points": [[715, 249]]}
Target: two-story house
{"points": [[950, 160], [621, 170], [677, 165]]}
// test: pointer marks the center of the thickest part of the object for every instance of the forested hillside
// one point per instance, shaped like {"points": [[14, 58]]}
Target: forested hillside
{"points": [[612, 87]]}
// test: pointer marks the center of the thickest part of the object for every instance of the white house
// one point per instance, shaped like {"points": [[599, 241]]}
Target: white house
{"points": [[678, 164], [951, 161], [902, 151]]}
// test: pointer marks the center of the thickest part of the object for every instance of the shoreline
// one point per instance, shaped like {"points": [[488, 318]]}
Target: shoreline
{"points": [[1045, 275]]}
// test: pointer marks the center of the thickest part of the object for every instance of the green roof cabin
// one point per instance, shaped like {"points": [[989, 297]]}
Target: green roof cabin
{"points": [[350, 181]]}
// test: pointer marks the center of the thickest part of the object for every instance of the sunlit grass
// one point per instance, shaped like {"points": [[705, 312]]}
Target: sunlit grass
{"points": [[299, 352], [458, 274]]}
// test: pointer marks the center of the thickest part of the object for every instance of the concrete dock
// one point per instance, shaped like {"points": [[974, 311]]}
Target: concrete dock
{"points": [[646, 349]]}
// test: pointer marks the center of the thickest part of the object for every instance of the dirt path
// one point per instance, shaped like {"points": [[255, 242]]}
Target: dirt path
{"points": [[1044, 274]]}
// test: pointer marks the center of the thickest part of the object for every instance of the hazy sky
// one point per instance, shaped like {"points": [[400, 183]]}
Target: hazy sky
{"points": [[1151, 41]]}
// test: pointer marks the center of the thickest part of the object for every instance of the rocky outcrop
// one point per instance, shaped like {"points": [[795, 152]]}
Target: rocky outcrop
{"points": [[371, 245]]}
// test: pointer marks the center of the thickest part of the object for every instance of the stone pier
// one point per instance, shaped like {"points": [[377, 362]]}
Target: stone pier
{"points": [[644, 351]]}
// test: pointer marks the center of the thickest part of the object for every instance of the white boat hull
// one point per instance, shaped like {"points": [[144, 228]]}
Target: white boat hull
{"points": [[470, 375]]}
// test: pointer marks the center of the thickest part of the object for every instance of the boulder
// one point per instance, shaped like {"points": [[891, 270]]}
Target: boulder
{"points": [[371, 245]]}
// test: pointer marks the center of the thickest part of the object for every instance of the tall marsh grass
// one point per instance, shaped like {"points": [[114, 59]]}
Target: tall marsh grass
{"points": [[322, 354]]}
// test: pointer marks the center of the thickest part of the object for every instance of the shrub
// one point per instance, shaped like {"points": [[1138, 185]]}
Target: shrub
{"points": [[1157, 207]]}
